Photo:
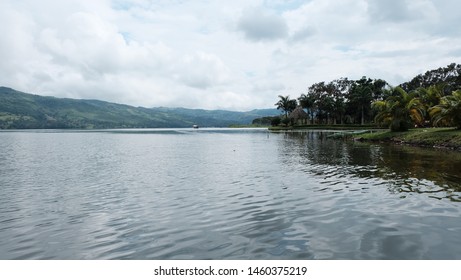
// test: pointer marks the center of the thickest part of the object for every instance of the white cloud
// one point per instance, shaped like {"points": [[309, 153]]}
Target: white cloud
{"points": [[210, 54], [389, 10], [397, 11], [260, 25], [302, 34], [202, 70]]}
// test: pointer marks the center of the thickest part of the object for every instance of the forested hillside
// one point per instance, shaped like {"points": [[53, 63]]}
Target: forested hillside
{"points": [[20, 110]]}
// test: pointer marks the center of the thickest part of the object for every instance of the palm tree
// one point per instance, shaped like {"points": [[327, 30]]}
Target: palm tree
{"points": [[400, 110], [286, 104], [430, 97], [448, 112], [384, 115]]}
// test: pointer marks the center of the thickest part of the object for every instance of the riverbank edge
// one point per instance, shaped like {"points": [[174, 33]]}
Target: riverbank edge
{"points": [[323, 127], [439, 138]]}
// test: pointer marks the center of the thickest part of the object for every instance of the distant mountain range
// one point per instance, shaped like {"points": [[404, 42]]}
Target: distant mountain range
{"points": [[19, 110]]}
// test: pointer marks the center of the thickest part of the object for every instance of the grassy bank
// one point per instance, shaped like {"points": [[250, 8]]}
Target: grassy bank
{"points": [[247, 126], [323, 127], [427, 137]]}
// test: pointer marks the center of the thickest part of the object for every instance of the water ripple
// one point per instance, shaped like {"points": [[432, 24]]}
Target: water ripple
{"points": [[220, 194]]}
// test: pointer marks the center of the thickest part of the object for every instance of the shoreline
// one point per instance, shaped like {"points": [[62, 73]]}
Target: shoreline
{"points": [[324, 127], [436, 138]]}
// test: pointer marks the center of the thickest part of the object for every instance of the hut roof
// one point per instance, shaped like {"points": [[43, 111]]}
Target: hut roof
{"points": [[298, 113]]}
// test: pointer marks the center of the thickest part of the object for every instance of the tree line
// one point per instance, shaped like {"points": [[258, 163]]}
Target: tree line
{"points": [[429, 99]]}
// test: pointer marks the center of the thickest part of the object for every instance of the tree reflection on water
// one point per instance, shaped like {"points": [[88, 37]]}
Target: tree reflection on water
{"points": [[404, 169]]}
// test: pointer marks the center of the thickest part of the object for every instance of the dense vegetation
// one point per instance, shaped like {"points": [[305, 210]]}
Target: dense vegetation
{"points": [[430, 99], [20, 110]]}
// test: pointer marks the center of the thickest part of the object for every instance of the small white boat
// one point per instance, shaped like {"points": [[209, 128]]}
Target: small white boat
{"points": [[195, 126]]}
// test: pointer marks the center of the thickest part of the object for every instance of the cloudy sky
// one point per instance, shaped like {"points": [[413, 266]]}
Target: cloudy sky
{"points": [[236, 55]]}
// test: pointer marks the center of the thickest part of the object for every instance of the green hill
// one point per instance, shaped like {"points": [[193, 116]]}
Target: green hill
{"points": [[19, 110]]}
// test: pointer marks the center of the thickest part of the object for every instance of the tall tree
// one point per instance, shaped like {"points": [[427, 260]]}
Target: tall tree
{"points": [[323, 100], [449, 76], [307, 101], [362, 93], [339, 89]]}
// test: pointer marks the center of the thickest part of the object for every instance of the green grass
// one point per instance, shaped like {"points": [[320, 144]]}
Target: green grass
{"points": [[325, 127], [248, 126], [427, 137], [432, 137]]}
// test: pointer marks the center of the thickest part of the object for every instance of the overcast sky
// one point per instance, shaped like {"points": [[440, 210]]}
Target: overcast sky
{"points": [[236, 55]]}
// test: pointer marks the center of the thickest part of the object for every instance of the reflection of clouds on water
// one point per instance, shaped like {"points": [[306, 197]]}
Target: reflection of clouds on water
{"points": [[388, 242], [222, 194]]}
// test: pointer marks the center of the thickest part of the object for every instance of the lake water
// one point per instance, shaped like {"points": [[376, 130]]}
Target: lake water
{"points": [[224, 194]]}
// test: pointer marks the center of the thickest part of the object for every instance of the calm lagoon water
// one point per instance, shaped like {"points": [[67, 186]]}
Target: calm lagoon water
{"points": [[224, 194]]}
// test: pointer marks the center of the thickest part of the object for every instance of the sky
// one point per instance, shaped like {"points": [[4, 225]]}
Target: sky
{"points": [[236, 55]]}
